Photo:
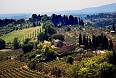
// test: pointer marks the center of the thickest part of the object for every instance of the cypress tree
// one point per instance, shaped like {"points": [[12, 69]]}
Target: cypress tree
{"points": [[87, 42], [90, 43], [15, 43], [2, 44], [94, 41], [105, 43], [84, 40], [113, 27], [80, 39], [110, 45]]}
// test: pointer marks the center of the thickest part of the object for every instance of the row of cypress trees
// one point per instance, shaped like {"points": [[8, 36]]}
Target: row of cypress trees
{"points": [[97, 42]]}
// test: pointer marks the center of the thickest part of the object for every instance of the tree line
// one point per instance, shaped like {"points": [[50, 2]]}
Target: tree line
{"points": [[58, 20], [97, 42]]}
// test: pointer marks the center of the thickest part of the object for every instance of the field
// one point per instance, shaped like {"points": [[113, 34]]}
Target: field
{"points": [[21, 34], [16, 69]]}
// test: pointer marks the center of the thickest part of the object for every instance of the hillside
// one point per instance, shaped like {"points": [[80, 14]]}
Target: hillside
{"points": [[102, 19], [20, 34], [63, 48]]}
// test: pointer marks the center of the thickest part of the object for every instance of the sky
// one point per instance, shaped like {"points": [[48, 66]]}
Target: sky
{"points": [[36, 6]]}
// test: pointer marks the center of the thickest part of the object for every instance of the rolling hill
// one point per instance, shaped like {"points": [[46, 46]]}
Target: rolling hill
{"points": [[21, 34]]}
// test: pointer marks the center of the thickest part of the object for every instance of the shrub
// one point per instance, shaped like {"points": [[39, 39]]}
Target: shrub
{"points": [[58, 36], [39, 67], [27, 48], [15, 43], [2, 44], [70, 59], [55, 71], [32, 64], [42, 36]]}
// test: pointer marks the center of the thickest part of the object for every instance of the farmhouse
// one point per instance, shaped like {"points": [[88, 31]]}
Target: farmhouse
{"points": [[58, 43], [64, 46]]}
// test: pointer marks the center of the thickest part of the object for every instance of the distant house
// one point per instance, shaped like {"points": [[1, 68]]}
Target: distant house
{"points": [[58, 43], [64, 46], [112, 32]]}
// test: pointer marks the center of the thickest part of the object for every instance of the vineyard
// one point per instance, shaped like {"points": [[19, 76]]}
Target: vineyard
{"points": [[59, 64], [22, 34], [16, 69], [48, 67]]}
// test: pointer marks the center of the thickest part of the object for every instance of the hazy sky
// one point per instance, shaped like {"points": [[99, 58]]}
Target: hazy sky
{"points": [[36, 6]]}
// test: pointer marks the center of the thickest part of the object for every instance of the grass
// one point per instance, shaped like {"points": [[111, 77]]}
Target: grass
{"points": [[19, 34]]}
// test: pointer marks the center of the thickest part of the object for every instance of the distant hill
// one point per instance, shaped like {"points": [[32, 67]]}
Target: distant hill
{"points": [[15, 16], [100, 9], [81, 13], [102, 19], [91, 10]]}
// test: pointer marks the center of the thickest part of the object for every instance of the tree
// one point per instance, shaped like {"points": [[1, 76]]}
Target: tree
{"points": [[32, 64], [50, 54], [48, 24], [81, 22], [15, 43], [87, 42], [70, 60], [110, 45], [48, 51], [71, 20], [113, 27], [34, 24], [34, 17], [26, 41], [27, 48], [50, 30], [80, 39], [94, 41], [84, 40], [2, 44], [20, 21], [105, 43], [67, 28], [58, 36], [42, 36]]}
